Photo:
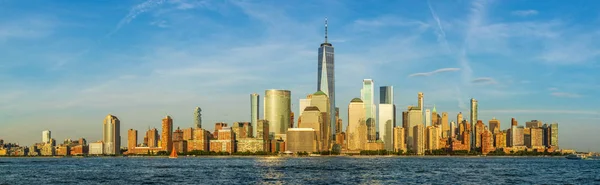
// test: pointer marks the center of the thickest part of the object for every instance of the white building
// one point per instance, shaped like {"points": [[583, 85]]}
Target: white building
{"points": [[427, 117], [386, 125], [46, 136], [96, 148], [302, 105]]}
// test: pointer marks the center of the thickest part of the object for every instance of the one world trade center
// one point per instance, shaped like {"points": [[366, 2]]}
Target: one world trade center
{"points": [[326, 78]]}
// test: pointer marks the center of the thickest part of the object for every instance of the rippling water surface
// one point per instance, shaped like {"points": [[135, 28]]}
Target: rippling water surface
{"points": [[317, 170]]}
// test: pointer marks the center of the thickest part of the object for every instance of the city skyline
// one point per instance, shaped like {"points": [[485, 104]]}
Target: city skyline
{"points": [[69, 90]]}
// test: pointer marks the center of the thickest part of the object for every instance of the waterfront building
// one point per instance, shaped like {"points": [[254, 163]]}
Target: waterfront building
{"points": [[374, 146], [414, 118], [242, 129], [536, 138], [262, 132], [431, 138], [527, 137], [418, 145], [494, 125], [367, 95], [153, 138], [326, 76], [356, 121], [254, 111], [387, 116], [513, 122], [516, 136], [313, 119], [131, 139], [338, 124], [111, 135], [180, 146], [479, 128], [533, 124], [218, 126], [166, 139], [200, 140], [277, 111], [399, 139], [321, 101], [188, 134], [178, 135], [554, 135], [96, 148], [500, 140], [225, 142], [473, 120], [487, 142], [291, 120], [250, 145], [198, 117], [340, 139], [452, 132], [446, 127], [46, 136], [302, 140]]}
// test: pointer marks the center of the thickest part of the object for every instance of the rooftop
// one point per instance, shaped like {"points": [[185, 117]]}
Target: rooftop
{"points": [[357, 100]]}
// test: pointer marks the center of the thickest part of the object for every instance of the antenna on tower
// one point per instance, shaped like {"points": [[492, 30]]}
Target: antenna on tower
{"points": [[325, 29]]}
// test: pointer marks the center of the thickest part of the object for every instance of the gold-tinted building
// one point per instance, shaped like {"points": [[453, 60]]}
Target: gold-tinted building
{"points": [[419, 139], [479, 129], [494, 125], [166, 136], [277, 111], [356, 120], [132, 138], [301, 139], [313, 118], [399, 142]]}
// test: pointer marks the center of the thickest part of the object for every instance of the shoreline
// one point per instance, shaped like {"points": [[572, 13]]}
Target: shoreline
{"points": [[284, 156]]}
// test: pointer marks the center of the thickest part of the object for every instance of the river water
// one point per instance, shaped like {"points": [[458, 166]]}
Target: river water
{"points": [[308, 170]]}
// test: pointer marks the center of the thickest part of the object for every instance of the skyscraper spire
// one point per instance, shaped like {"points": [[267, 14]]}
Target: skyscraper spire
{"points": [[325, 29]]}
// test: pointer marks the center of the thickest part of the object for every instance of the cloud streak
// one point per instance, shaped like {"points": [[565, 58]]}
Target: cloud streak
{"points": [[565, 95], [525, 13], [434, 72], [484, 80], [135, 11]]}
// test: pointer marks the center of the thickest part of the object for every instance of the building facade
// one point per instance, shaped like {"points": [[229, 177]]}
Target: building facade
{"points": [[386, 125], [356, 120], [111, 135], [473, 120], [46, 136], [399, 142], [326, 75], [277, 111], [254, 110], [301, 140], [367, 95], [166, 138], [198, 117]]}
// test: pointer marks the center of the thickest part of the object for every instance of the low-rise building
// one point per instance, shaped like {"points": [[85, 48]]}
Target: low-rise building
{"points": [[96, 148]]}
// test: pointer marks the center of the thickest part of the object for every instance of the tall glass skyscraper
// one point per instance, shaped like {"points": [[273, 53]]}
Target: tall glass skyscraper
{"points": [[473, 121], [111, 135], [277, 111], [367, 95], [386, 95], [326, 77]]}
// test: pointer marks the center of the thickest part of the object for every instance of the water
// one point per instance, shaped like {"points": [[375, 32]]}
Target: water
{"points": [[316, 170]]}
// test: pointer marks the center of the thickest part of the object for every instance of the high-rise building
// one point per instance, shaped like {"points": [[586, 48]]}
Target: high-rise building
{"points": [[254, 110], [435, 117], [415, 117], [473, 121], [479, 128], [536, 138], [452, 132], [111, 135], [513, 122], [367, 95], [338, 120], [326, 75], [399, 142], [131, 139], [301, 140], [517, 136], [500, 140], [533, 124], [166, 138], [304, 103], [313, 119], [178, 135], [431, 139], [277, 111], [421, 102], [152, 135], [386, 95], [459, 118], [46, 136], [320, 100], [418, 145], [487, 142], [218, 126], [446, 127], [198, 117], [554, 134], [494, 125], [427, 118], [356, 119], [387, 116], [386, 125]]}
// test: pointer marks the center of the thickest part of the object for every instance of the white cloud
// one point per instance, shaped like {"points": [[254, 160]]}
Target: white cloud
{"points": [[525, 13], [484, 80], [565, 95], [135, 11], [434, 72]]}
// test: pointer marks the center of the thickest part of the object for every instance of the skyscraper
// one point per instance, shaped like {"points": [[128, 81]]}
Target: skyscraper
{"points": [[111, 135], [554, 134], [473, 121], [428, 118], [356, 120], [386, 95], [446, 127], [166, 137], [367, 96], [277, 111], [326, 75], [46, 136], [254, 111], [198, 117], [131, 139], [387, 116], [321, 101], [421, 101], [494, 125]]}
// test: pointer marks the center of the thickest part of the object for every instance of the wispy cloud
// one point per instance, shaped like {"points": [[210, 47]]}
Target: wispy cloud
{"points": [[388, 21], [553, 89], [525, 13], [159, 23], [565, 95], [441, 34], [434, 72], [484, 80], [135, 11]]}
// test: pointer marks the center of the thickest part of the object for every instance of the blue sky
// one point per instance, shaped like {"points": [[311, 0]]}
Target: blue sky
{"points": [[66, 64]]}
